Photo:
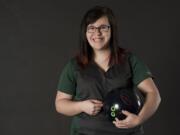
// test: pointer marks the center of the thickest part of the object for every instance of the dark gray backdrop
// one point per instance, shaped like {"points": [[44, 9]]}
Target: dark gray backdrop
{"points": [[38, 37]]}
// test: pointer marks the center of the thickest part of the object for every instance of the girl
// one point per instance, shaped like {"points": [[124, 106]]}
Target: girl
{"points": [[99, 67]]}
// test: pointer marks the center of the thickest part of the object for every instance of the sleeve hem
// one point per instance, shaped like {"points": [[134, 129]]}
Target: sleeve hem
{"points": [[65, 91], [143, 78]]}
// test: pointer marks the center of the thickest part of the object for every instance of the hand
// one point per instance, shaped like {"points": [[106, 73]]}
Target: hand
{"points": [[91, 106], [130, 121]]}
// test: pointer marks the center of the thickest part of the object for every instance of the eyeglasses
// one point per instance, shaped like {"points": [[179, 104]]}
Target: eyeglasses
{"points": [[102, 28]]}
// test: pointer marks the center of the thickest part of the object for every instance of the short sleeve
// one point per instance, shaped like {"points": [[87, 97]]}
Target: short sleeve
{"points": [[139, 69], [67, 80]]}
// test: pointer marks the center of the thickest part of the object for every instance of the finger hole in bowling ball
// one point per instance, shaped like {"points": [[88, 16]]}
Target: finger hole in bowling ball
{"points": [[118, 100]]}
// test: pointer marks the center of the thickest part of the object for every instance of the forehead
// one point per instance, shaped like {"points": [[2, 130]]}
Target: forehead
{"points": [[100, 21]]}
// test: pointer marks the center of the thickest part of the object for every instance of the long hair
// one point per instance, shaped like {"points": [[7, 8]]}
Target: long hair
{"points": [[85, 53]]}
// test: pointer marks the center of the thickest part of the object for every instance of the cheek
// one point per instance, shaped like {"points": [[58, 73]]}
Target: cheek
{"points": [[108, 37], [88, 37]]}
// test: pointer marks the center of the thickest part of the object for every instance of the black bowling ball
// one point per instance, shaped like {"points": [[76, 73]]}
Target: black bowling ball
{"points": [[121, 99]]}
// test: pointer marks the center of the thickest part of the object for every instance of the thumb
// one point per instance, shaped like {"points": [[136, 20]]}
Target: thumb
{"points": [[126, 112]]}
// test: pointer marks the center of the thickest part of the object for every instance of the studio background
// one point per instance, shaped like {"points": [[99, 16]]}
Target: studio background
{"points": [[37, 38]]}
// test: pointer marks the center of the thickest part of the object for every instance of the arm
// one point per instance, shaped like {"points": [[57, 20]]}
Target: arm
{"points": [[151, 104], [152, 100], [65, 105]]}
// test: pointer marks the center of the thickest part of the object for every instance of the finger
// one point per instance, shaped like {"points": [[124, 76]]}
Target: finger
{"points": [[98, 105], [121, 122], [96, 101], [117, 120], [95, 112], [119, 125], [98, 109], [123, 127]]}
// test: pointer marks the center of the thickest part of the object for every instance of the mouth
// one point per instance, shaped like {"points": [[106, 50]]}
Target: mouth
{"points": [[98, 39]]}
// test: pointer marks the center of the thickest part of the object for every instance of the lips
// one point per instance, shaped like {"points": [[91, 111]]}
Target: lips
{"points": [[97, 39]]}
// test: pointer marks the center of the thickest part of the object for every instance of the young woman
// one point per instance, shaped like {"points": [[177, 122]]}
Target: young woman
{"points": [[101, 66]]}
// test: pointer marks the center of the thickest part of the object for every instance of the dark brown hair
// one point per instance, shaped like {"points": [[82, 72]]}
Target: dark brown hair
{"points": [[85, 53]]}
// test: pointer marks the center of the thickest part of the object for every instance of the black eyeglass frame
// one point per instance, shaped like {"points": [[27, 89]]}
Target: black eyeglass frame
{"points": [[92, 29]]}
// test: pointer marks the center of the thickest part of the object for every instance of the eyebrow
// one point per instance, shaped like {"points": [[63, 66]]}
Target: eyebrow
{"points": [[98, 26]]}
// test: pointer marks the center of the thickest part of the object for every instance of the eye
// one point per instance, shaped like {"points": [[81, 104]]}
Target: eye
{"points": [[104, 27], [91, 28]]}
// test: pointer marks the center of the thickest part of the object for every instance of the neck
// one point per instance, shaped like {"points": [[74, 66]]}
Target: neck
{"points": [[102, 55]]}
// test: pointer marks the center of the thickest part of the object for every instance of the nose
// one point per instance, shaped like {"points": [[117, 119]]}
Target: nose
{"points": [[98, 31]]}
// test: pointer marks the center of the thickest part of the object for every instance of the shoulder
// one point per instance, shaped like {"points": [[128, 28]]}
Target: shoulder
{"points": [[129, 56], [139, 68], [132, 57], [69, 68], [71, 64], [71, 61]]}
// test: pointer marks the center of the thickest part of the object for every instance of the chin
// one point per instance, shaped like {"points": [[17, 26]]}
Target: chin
{"points": [[100, 48]]}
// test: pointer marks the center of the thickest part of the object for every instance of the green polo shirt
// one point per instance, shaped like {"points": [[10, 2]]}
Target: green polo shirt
{"points": [[68, 79]]}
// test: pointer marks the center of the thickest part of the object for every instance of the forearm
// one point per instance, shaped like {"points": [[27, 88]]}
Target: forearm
{"points": [[68, 107], [151, 104]]}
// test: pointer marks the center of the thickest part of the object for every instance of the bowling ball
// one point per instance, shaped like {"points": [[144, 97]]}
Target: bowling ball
{"points": [[121, 99]]}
